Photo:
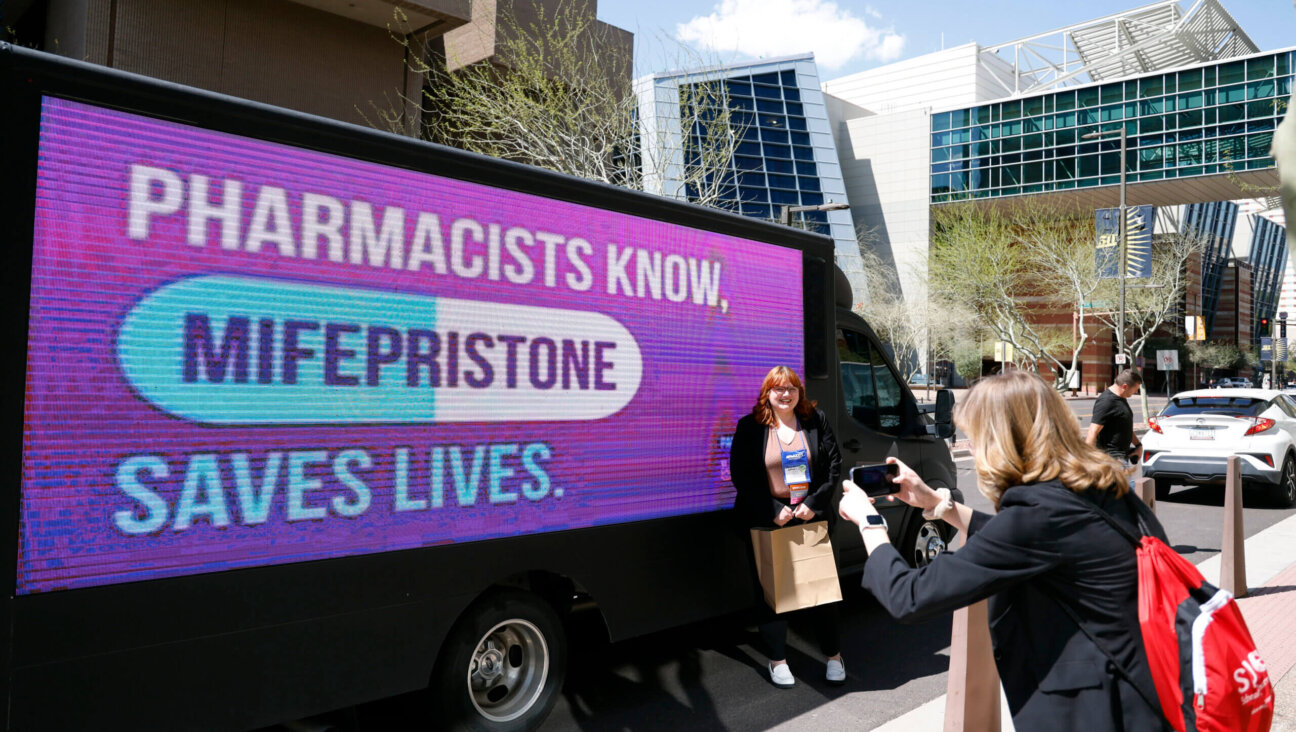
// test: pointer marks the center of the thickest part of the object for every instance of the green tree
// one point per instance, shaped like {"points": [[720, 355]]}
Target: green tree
{"points": [[1214, 355], [919, 330], [1017, 267], [558, 95]]}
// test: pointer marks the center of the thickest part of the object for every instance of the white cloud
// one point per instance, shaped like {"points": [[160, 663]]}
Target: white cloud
{"points": [[767, 28]]}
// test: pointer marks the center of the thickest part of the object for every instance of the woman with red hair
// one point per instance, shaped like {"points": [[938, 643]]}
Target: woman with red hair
{"points": [[784, 464]]}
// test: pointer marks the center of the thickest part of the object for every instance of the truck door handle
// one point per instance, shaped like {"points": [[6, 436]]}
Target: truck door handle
{"points": [[851, 444]]}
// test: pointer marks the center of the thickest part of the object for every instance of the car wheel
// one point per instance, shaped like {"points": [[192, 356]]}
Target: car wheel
{"points": [[1284, 494], [924, 540], [1162, 489], [502, 665]]}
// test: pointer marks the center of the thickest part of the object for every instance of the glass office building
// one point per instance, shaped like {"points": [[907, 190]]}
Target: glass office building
{"points": [[1268, 259], [784, 150], [1214, 223], [1211, 119], [774, 163]]}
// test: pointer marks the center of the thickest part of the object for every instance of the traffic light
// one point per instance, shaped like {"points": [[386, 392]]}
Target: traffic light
{"points": [[1264, 325]]}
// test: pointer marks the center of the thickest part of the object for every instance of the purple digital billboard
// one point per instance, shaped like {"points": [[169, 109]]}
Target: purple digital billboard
{"points": [[243, 353]]}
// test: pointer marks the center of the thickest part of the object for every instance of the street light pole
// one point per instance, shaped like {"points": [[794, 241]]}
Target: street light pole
{"points": [[785, 214], [1124, 226]]}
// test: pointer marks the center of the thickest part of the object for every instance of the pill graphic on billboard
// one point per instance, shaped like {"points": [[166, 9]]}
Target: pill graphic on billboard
{"points": [[238, 350]]}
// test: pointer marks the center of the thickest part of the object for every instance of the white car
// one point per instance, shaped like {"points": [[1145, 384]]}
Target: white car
{"points": [[1190, 441], [1234, 382]]}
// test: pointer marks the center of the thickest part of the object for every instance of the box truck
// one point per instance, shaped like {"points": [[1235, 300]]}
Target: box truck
{"points": [[313, 415]]}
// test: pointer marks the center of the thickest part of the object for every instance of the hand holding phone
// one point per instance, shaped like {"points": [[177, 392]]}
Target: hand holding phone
{"points": [[876, 480]]}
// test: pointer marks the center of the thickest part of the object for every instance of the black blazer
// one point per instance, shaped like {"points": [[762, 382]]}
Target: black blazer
{"points": [[755, 506], [1043, 547]]}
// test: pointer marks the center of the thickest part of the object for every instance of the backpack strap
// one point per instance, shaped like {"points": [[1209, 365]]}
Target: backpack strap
{"points": [[1112, 522]]}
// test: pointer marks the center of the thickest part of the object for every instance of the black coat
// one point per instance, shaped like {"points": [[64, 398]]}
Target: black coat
{"points": [[754, 504], [1044, 546]]}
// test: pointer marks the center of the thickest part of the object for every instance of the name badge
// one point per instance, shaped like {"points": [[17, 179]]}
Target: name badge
{"points": [[796, 474]]}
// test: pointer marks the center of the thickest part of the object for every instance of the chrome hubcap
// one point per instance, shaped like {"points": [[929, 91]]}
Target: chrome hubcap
{"points": [[1289, 480], [929, 544], [508, 670]]}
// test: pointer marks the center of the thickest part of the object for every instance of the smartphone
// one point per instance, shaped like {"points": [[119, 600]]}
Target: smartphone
{"points": [[875, 480]]}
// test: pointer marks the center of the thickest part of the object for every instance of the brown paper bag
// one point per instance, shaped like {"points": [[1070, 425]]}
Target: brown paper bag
{"points": [[796, 566]]}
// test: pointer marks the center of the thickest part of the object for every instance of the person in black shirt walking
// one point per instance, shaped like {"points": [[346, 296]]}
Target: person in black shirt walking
{"points": [[1112, 428]]}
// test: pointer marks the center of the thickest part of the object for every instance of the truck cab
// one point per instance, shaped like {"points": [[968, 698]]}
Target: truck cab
{"points": [[875, 416]]}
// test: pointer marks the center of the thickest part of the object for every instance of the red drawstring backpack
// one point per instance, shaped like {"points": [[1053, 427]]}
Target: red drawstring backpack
{"points": [[1207, 671], [1208, 675]]}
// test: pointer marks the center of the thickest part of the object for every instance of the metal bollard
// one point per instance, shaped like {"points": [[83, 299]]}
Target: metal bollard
{"points": [[1146, 488], [972, 696], [1233, 546]]}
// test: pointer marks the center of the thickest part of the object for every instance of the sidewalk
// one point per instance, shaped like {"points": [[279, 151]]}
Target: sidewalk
{"points": [[1271, 575]]}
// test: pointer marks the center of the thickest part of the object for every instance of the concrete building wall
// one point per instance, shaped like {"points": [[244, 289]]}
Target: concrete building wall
{"points": [[932, 79], [882, 121], [1287, 296], [495, 22], [274, 51], [884, 164], [1233, 317]]}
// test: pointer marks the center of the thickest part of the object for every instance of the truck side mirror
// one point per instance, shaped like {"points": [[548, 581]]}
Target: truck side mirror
{"points": [[944, 414]]}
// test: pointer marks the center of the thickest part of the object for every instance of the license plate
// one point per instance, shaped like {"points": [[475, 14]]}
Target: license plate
{"points": [[1202, 435]]}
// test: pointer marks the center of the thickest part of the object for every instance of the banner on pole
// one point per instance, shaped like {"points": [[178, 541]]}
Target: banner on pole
{"points": [[1138, 241]]}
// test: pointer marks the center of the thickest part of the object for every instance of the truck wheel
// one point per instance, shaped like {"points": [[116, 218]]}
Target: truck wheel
{"points": [[502, 666], [1284, 494], [923, 541]]}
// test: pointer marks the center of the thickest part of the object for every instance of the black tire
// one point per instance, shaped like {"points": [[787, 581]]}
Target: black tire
{"points": [[502, 665], [1162, 489], [923, 540], [1284, 494]]}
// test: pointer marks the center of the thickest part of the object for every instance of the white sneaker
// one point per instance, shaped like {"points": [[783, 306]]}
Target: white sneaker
{"points": [[836, 672], [781, 676]]}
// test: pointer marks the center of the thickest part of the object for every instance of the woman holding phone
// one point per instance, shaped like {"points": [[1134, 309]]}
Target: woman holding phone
{"points": [[1060, 580], [784, 464]]}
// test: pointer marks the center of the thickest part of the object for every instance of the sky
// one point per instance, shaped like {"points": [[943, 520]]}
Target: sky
{"points": [[847, 36]]}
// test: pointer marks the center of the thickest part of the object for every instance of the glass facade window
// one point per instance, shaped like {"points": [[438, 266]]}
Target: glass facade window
{"points": [[775, 162], [1203, 121], [1214, 222], [1268, 261]]}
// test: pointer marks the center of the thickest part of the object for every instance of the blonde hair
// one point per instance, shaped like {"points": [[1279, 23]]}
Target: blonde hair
{"points": [[1023, 432]]}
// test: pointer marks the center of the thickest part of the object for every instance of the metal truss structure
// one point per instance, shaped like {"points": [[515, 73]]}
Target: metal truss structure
{"points": [[1158, 36]]}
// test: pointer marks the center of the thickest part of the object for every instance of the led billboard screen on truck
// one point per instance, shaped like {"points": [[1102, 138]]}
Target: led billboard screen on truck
{"points": [[243, 353]]}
